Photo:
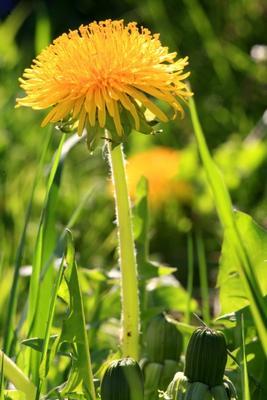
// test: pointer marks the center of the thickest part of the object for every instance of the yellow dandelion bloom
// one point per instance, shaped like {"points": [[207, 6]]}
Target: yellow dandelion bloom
{"points": [[160, 165], [102, 72]]}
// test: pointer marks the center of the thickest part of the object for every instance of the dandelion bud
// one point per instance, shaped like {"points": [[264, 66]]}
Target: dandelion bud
{"points": [[122, 380], [163, 340], [206, 357], [219, 393]]}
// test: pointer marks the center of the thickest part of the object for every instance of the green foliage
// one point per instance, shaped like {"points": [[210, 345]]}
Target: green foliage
{"points": [[14, 395], [52, 305], [80, 379], [224, 207], [232, 292]]}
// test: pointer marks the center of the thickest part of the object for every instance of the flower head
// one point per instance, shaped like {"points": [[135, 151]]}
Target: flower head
{"points": [[164, 182], [105, 75]]}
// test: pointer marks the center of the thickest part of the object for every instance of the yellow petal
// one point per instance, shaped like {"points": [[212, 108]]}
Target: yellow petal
{"points": [[82, 119]]}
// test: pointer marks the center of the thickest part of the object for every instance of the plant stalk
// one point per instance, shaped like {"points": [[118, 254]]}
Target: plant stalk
{"points": [[128, 266], [17, 377], [203, 277], [190, 276]]}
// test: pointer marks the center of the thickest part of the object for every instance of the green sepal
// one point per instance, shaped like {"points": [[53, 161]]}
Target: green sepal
{"points": [[94, 135], [197, 391], [67, 125], [152, 375], [219, 393], [122, 380], [147, 127], [170, 367], [163, 340]]}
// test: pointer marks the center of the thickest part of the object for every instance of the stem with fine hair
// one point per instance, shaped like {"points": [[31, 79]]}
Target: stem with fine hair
{"points": [[129, 280]]}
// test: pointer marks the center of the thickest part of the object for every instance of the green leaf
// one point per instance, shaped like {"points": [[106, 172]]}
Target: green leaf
{"points": [[14, 395], [141, 220], [232, 293], [42, 277], [170, 295], [232, 317], [38, 343], [80, 379], [12, 303], [45, 361], [225, 211]]}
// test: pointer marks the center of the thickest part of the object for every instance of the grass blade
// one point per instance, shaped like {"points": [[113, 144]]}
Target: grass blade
{"points": [[44, 365], [210, 41], [243, 364], [190, 279], [12, 303], [203, 276], [38, 306]]}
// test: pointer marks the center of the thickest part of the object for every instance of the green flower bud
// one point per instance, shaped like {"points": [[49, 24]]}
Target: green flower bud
{"points": [[198, 391], [163, 340], [122, 380], [170, 368], [206, 357], [152, 375], [157, 376], [219, 393]]}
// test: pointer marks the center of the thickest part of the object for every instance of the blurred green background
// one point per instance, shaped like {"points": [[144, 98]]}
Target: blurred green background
{"points": [[228, 60]]}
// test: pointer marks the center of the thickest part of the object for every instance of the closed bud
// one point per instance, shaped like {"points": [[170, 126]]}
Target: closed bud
{"points": [[219, 393], [206, 357], [152, 376], [197, 391], [122, 380], [170, 368], [163, 340]]}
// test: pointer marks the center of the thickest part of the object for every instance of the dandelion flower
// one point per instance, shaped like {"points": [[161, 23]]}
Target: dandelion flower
{"points": [[105, 75], [163, 182]]}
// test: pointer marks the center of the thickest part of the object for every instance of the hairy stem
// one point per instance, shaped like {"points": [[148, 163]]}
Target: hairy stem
{"points": [[129, 280]]}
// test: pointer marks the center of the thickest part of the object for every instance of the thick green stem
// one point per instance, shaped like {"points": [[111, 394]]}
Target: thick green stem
{"points": [[17, 377], [129, 282]]}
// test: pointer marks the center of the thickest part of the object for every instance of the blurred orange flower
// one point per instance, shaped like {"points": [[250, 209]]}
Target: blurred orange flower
{"points": [[160, 165], [102, 70]]}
